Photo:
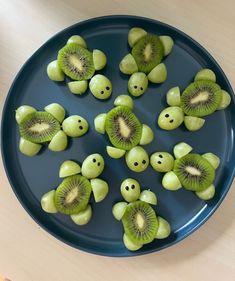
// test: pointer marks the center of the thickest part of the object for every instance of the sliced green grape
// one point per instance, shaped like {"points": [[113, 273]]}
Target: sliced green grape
{"points": [[205, 74], [130, 190], [100, 87], [75, 126], [29, 148], [137, 84], [193, 123], [137, 159], [173, 96], [171, 118], [226, 99], [167, 43], [164, 228], [99, 123], [119, 209], [78, 87], [207, 193], [99, 59], [56, 110], [92, 166], [59, 142], [158, 74], [69, 168], [100, 189], [213, 159], [23, 111], [128, 65], [181, 149], [114, 152], [82, 217], [135, 34], [149, 197], [147, 135], [77, 39], [162, 161], [124, 100], [131, 246], [54, 72], [170, 181], [47, 202]]}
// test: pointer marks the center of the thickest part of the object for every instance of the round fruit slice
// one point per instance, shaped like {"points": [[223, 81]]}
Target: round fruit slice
{"points": [[123, 128], [194, 172], [76, 62], [140, 222], [72, 195], [39, 127], [201, 98]]}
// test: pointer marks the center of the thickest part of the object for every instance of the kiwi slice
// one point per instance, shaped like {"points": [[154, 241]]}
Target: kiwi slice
{"points": [[194, 172], [39, 127], [201, 98], [76, 62], [140, 222], [148, 52], [72, 195], [123, 127]]}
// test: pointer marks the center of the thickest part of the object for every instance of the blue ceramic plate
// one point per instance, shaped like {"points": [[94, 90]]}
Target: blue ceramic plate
{"points": [[32, 177]]}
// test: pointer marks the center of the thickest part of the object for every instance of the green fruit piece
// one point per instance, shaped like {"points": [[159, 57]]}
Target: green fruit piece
{"points": [[164, 228], [92, 166], [59, 142], [140, 222], [149, 197], [69, 168], [137, 84], [193, 123], [99, 123], [181, 149], [100, 87], [124, 100], [114, 152], [75, 126], [130, 190], [170, 181], [128, 65], [23, 111], [213, 159], [158, 74], [170, 118], [137, 159], [135, 34], [226, 99], [39, 127], [83, 217], [205, 74], [78, 87], [76, 39], [167, 43], [48, 202], [99, 59], [56, 110], [72, 195], [162, 161], [29, 148], [173, 96], [119, 209], [207, 194], [123, 127], [148, 52], [100, 189], [194, 172], [131, 246], [54, 72], [147, 135]]}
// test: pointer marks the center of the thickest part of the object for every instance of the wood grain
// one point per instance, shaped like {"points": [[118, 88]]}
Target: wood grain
{"points": [[28, 253]]}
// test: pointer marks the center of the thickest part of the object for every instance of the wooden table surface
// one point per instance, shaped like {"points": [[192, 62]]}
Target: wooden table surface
{"points": [[27, 252]]}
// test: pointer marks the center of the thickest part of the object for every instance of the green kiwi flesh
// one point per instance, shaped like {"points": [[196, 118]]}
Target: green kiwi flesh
{"points": [[39, 127], [201, 98]]}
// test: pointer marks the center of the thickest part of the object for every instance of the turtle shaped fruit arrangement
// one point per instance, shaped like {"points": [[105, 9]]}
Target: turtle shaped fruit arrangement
{"points": [[72, 196], [80, 64], [201, 98], [144, 61], [126, 133], [50, 127], [140, 222]]}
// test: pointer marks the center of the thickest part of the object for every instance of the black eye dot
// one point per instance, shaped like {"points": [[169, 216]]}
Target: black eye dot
{"points": [[159, 162], [144, 162], [160, 156], [133, 186], [127, 187], [102, 92], [107, 88], [135, 87], [167, 115], [79, 121], [141, 88], [136, 164], [98, 164], [80, 127], [94, 160], [171, 121]]}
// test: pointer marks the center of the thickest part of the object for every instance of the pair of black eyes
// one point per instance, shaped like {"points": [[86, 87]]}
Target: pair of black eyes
{"points": [[94, 160], [79, 121], [160, 156], [102, 92], [132, 187], [136, 163], [167, 115], [141, 88]]}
